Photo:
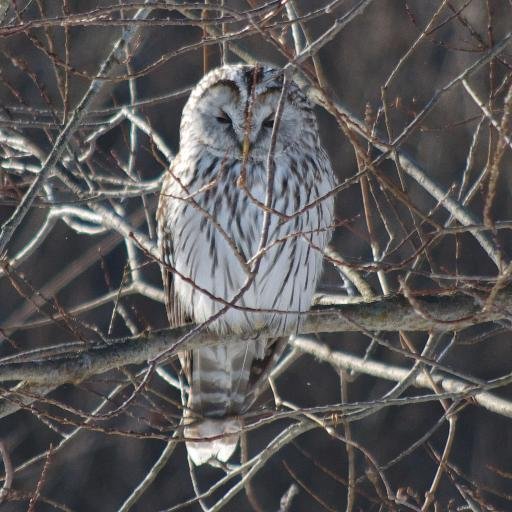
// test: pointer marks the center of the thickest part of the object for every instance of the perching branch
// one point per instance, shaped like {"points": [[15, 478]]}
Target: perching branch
{"points": [[448, 312]]}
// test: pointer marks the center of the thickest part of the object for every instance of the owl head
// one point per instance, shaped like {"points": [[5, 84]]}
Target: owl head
{"points": [[233, 107]]}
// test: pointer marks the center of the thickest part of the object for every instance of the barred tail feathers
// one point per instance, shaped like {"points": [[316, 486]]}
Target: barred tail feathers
{"points": [[220, 378]]}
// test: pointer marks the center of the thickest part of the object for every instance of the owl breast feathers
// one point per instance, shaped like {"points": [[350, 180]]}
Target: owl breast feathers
{"points": [[211, 217]]}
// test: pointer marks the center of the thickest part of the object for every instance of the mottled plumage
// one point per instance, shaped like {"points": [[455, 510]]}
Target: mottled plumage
{"points": [[210, 221]]}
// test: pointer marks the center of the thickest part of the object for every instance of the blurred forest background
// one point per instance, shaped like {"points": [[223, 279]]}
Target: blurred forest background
{"points": [[407, 405]]}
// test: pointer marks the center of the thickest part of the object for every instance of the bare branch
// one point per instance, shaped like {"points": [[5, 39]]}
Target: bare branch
{"points": [[446, 312]]}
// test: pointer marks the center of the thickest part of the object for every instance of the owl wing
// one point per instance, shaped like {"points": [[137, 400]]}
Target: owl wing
{"points": [[176, 313], [262, 368]]}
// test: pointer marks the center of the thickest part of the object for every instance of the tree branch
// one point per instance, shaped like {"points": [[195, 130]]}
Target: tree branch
{"points": [[439, 312], [344, 361]]}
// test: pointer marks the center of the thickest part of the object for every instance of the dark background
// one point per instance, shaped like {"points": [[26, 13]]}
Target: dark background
{"points": [[98, 470]]}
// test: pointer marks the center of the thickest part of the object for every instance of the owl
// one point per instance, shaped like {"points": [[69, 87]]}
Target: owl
{"points": [[211, 216]]}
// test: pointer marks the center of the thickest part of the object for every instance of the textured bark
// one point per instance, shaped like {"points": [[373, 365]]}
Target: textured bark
{"points": [[430, 313]]}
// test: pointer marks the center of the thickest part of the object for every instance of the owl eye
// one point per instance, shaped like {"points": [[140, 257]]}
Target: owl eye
{"points": [[269, 122], [224, 119]]}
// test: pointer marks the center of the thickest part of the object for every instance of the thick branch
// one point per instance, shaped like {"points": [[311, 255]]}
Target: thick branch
{"points": [[429, 313]]}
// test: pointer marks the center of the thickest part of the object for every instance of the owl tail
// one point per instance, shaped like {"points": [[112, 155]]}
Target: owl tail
{"points": [[220, 379], [218, 439]]}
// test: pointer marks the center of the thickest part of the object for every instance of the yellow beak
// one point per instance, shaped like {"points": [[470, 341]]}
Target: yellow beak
{"points": [[246, 146]]}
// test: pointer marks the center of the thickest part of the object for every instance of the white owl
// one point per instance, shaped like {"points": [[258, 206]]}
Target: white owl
{"points": [[210, 221]]}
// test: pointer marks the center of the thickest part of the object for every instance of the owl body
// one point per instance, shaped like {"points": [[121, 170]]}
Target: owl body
{"points": [[211, 216], [202, 252]]}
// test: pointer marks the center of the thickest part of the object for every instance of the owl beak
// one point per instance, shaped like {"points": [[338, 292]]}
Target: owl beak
{"points": [[246, 146]]}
